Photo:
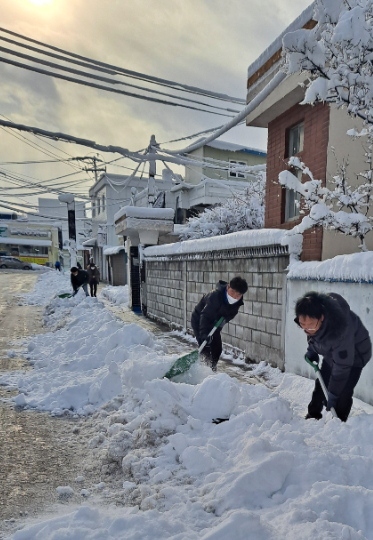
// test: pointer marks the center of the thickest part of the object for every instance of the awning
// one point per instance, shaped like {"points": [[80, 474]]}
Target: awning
{"points": [[25, 242], [91, 242], [114, 250]]}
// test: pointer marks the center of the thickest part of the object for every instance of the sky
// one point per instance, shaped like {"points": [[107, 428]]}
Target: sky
{"points": [[204, 43]]}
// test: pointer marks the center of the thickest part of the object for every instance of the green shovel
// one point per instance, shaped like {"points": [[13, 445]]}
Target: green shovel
{"points": [[182, 364]]}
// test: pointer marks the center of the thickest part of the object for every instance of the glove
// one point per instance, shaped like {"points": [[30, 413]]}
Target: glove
{"points": [[332, 400], [207, 338], [315, 359]]}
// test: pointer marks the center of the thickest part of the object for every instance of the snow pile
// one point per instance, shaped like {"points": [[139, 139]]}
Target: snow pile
{"points": [[48, 285], [357, 267], [40, 267], [116, 295], [265, 474], [88, 362]]}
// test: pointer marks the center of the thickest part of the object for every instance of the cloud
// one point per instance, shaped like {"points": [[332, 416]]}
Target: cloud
{"points": [[205, 43]]}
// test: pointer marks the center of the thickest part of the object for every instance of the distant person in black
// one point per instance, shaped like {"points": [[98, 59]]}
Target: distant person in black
{"points": [[337, 333], [79, 278], [94, 277], [224, 301], [79, 266]]}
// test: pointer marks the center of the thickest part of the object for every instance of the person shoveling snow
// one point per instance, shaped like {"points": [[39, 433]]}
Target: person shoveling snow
{"points": [[337, 333], [224, 301]]}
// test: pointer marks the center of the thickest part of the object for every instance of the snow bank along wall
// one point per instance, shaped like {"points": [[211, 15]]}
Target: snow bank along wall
{"points": [[360, 298], [178, 275]]}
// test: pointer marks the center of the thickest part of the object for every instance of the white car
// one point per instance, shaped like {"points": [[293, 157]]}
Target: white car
{"points": [[13, 262]]}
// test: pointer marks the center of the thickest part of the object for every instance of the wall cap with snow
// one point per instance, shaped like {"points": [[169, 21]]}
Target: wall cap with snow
{"points": [[243, 239], [352, 268], [144, 213]]}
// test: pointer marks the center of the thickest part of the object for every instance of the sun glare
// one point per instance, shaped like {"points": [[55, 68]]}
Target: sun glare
{"points": [[40, 2]]}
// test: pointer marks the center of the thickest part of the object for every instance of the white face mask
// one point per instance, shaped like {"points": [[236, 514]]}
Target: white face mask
{"points": [[231, 300]]}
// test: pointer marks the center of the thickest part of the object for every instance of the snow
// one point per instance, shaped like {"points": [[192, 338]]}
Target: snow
{"points": [[26, 241], [241, 239], [145, 213], [47, 286], [83, 365], [231, 147], [40, 267], [356, 267], [276, 45], [113, 250], [116, 295], [266, 473], [242, 211]]}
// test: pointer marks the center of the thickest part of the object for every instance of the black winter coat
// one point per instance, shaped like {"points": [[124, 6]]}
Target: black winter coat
{"points": [[342, 340], [79, 280], [210, 309]]}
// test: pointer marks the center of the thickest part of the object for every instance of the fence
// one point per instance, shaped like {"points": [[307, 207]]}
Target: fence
{"points": [[176, 281]]}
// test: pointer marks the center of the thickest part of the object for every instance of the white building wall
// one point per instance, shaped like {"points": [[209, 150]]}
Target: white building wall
{"points": [[360, 298], [343, 148]]}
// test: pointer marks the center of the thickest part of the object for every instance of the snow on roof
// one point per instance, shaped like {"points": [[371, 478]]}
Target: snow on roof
{"points": [[224, 145], [25, 241], [276, 45], [356, 267], [113, 250], [241, 239], [91, 242], [146, 212]]}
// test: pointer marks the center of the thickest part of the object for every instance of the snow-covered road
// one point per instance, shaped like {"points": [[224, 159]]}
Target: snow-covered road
{"points": [[167, 471]]}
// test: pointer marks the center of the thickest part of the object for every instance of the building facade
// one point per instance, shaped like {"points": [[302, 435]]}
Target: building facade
{"points": [[31, 241], [315, 134]]}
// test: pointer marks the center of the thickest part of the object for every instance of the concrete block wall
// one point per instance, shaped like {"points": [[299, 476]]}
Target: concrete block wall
{"points": [[174, 285]]}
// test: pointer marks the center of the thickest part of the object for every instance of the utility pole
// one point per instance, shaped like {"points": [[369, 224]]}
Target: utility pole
{"points": [[152, 171], [94, 168], [68, 198]]}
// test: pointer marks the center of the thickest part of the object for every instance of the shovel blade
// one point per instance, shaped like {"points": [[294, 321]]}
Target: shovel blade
{"points": [[182, 364], [65, 295]]}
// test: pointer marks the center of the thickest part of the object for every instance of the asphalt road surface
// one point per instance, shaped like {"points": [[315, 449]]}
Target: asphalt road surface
{"points": [[37, 452]]}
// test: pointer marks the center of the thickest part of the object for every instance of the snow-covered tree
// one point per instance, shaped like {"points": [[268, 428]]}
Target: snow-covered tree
{"points": [[342, 209], [243, 210], [337, 54]]}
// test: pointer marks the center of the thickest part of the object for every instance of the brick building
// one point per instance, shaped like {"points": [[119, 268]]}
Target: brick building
{"points": [[315, 134]]}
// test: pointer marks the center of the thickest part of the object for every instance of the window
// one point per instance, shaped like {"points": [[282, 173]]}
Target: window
{"points": [[292, 199], [93, 209], [98, 205], [233, 173], [295, 139], [103, 203]]}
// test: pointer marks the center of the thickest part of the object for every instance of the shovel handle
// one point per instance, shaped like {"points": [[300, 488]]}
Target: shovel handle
{"points": [[315, 366]]}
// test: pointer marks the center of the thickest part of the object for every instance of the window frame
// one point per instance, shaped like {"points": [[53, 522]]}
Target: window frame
{"points": [[292, 205], [291, 149], [233, 174]]}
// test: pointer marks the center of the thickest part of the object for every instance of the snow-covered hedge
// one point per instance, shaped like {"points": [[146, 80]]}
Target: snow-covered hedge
{"points": [[244, 210]]}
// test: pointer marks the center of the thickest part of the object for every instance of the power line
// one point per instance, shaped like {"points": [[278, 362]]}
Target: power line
{"points": [[106, 88], [130, 73], [107, 80]]}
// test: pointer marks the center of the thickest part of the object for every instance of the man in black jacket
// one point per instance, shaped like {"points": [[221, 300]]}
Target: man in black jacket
{"points": [[79, 278], [94, 277], [224, 301], [336, 333]]}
